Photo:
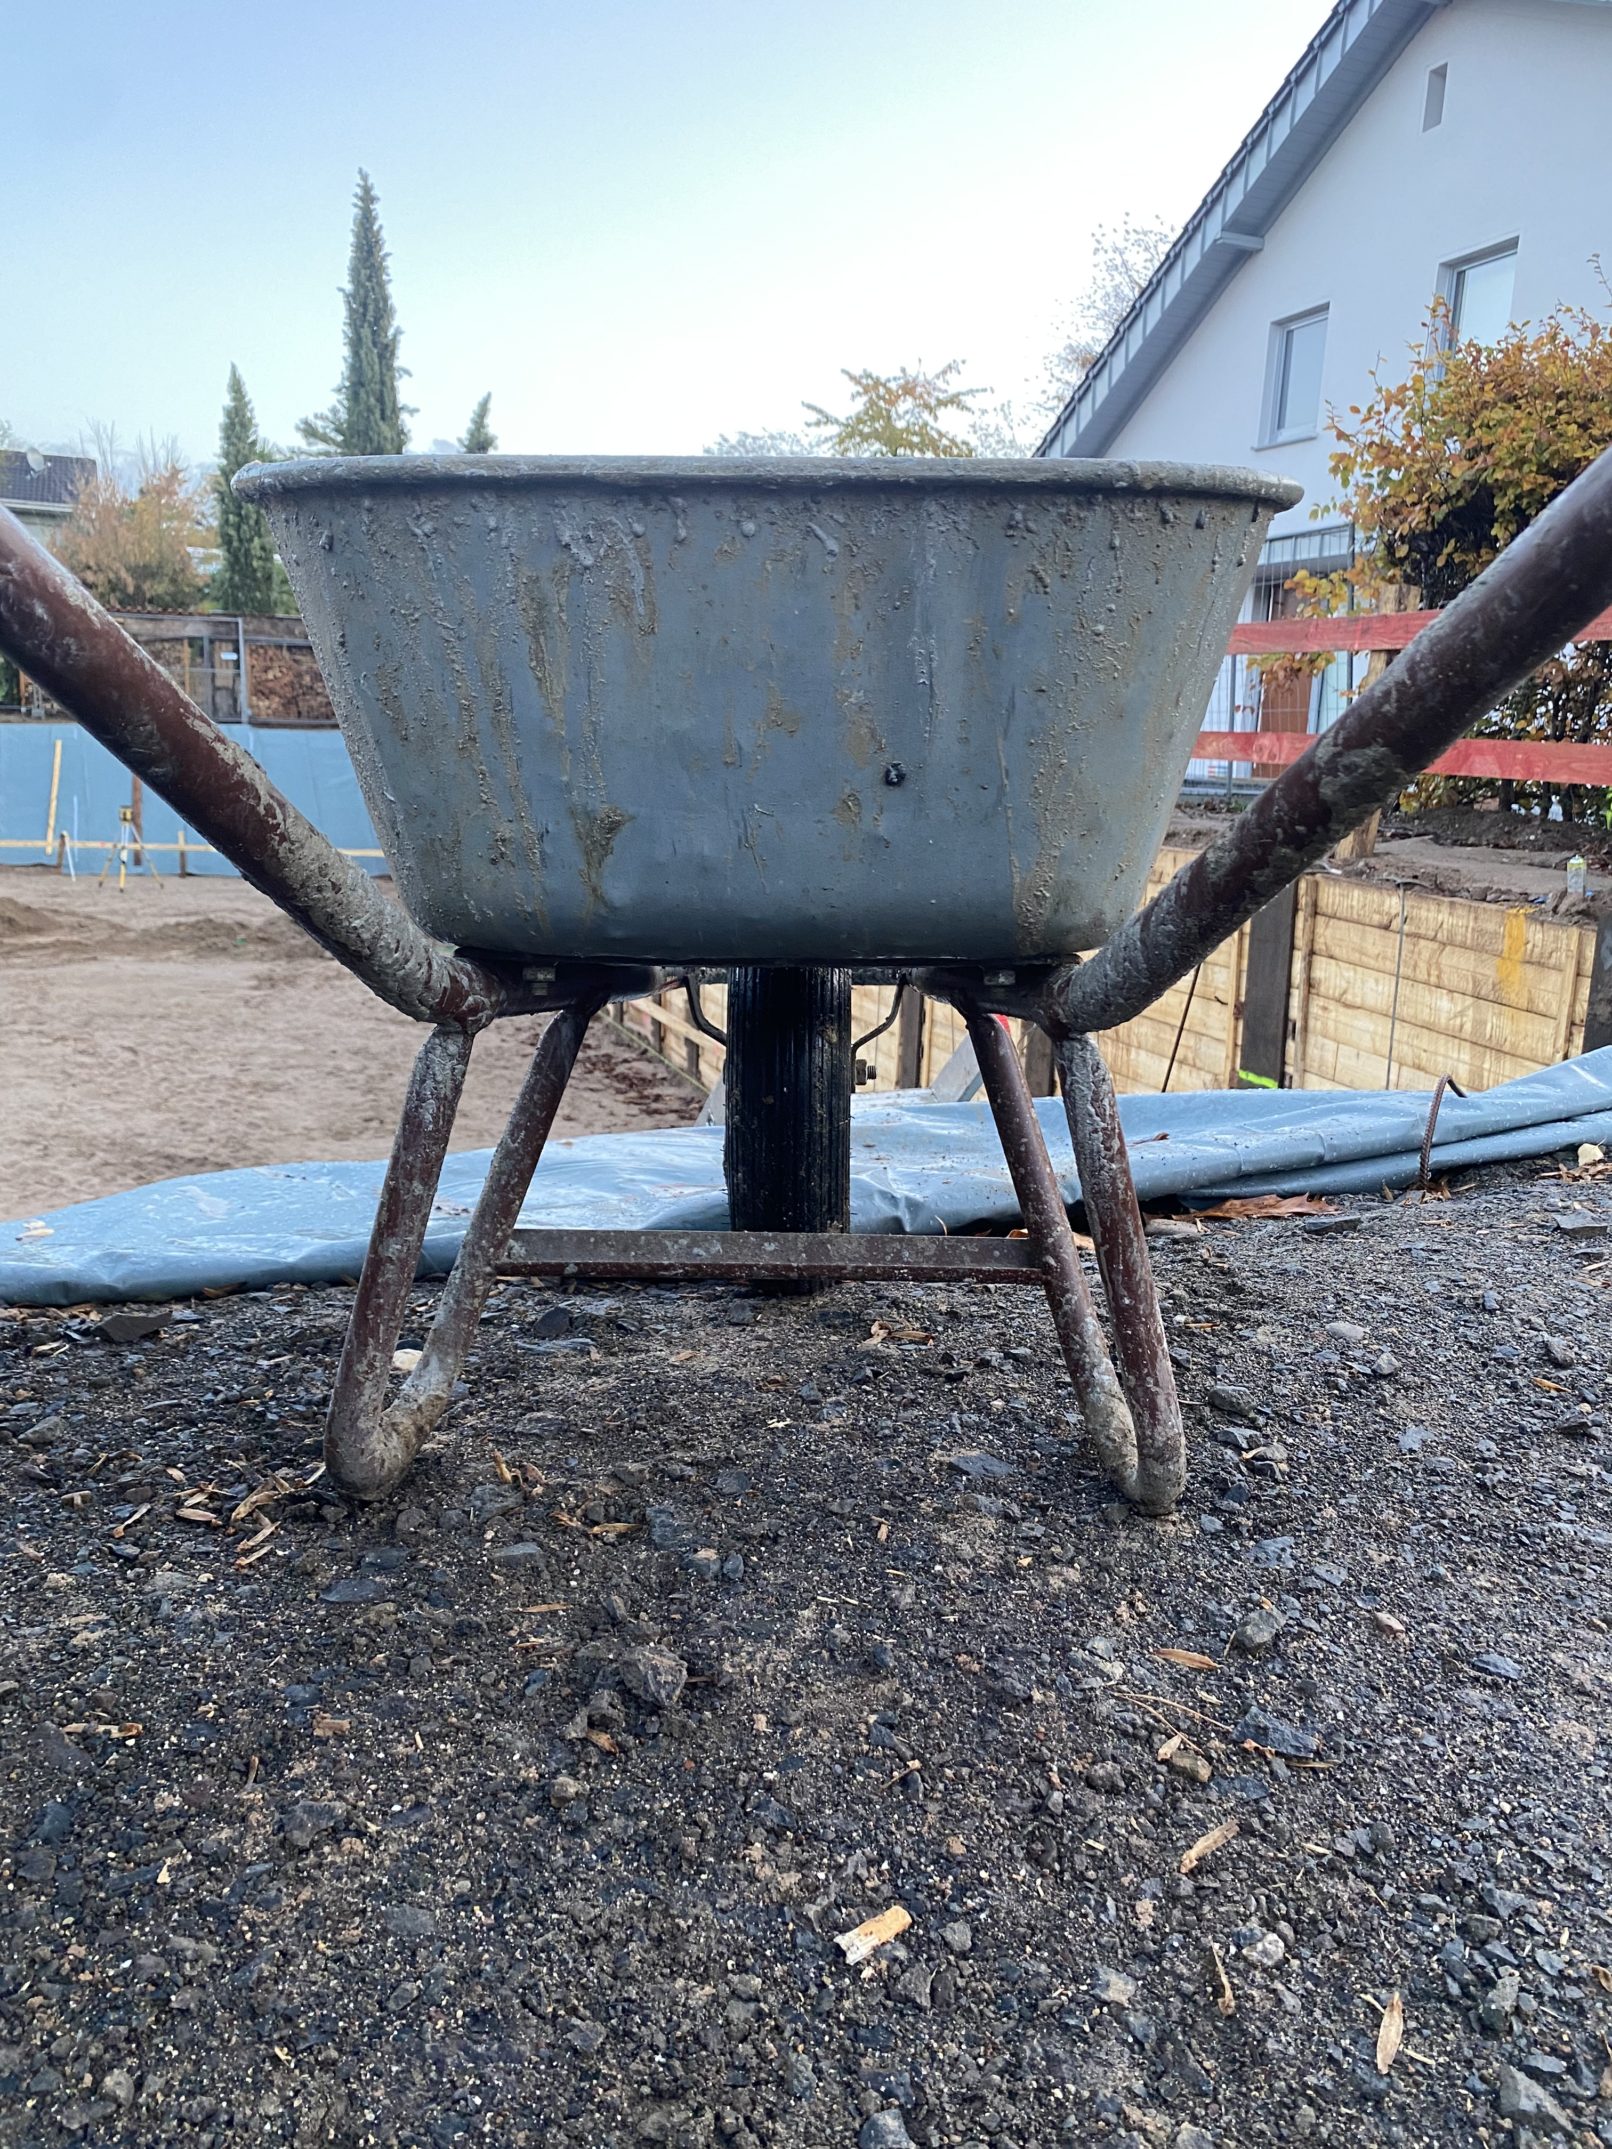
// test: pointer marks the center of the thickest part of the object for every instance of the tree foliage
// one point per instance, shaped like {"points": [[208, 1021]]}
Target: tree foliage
{"points": [[901, 413], [249, 578], [1440, 471], [130, 539], [367, 417], [777, 442], [479, 437], [1123, 257]]}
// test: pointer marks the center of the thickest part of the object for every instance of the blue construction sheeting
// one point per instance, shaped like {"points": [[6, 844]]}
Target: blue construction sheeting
{"points": [[312, 768], [917, 1166]]}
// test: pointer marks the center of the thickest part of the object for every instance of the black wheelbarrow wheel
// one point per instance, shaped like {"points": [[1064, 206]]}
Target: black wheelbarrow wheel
{"points": [[787, 1109]]}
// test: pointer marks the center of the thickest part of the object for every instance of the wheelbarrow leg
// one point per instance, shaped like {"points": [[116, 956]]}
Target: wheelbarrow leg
{"points": [[369, 1448], [392, 1257], [1097, 1390], [1127, 1273]]}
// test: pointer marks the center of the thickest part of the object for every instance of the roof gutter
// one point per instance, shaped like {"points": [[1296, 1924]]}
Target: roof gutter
{"points": [[1341, 65]]}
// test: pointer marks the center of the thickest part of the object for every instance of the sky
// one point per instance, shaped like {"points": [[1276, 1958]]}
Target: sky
{"points": [[638, 224]]}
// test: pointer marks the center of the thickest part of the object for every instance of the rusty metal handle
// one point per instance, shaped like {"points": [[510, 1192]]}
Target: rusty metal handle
{"points": [[1519, 613], [56, 632]]}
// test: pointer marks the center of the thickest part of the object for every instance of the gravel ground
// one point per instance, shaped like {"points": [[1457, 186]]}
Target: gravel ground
{"points": [[527, 1807]]}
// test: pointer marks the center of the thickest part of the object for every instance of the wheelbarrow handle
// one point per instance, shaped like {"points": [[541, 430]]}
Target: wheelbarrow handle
{"points": [[53, 629], [1519, 613]]}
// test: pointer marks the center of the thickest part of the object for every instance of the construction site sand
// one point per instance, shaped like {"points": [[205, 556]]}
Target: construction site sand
{"points": [[186, 1026]]}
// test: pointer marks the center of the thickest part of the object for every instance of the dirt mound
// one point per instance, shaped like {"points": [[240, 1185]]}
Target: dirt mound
{"points": [[109, 928], [26, 927], [1465, 828], [21, 921], [270, 936]]}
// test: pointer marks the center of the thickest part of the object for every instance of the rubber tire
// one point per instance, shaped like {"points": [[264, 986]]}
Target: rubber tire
{"points": [[786, 1148]]}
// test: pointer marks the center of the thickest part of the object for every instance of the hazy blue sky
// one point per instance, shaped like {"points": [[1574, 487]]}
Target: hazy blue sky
{"points": [[638, 224]]}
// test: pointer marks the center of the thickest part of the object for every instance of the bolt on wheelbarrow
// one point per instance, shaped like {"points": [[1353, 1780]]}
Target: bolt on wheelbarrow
{"points": [[618, 722]]}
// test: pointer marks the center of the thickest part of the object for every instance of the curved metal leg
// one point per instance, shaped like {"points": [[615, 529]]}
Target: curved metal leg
{"points": [[1097, 1390], [353, 1443], [368, 1447], [1127, 1273]]}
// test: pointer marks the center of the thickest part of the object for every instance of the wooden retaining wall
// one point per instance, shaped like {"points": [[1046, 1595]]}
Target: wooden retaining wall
{"points": [[1344, 984]]}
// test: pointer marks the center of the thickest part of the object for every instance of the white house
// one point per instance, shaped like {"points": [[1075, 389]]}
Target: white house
{"points": [[1419, 147], [39, 489]]}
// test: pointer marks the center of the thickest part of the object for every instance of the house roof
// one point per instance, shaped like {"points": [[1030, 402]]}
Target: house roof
{"points": [[29, 479], [1344, 61]]}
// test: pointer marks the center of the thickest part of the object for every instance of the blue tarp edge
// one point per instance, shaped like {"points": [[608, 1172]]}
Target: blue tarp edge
{"points": [[917, 1166]]}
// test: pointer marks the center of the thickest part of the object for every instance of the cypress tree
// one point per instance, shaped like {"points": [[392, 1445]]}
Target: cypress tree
{"points": [[247, 580], [480, 439], [366, 417]]}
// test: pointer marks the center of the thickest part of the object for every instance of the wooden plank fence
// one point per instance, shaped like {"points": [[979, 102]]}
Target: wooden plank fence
{"points": [[1370, 987]]}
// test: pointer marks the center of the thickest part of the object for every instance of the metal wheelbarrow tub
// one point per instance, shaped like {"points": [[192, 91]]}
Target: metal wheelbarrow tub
{"points": [[700, 711]]}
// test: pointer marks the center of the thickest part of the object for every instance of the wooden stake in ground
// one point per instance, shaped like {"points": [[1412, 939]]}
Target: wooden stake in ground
{"points": [[1362, 841]]}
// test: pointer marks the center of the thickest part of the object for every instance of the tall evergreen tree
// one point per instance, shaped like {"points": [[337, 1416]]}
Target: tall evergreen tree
{"points": [[247, 580], [480, 439], [366, 417]]}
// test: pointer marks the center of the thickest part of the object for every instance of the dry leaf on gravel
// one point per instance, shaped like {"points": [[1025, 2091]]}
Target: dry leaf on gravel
{"points": [[861, 1941], [883, 1332], [1225, 1998], [1252, 1206], [1193, 1659], [274, 1488], [1391, 2033], [1205, 1847]]}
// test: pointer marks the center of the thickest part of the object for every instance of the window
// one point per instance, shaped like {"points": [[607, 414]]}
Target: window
{"points": [[1478, 292], [1433, 104], [1293, 385]]}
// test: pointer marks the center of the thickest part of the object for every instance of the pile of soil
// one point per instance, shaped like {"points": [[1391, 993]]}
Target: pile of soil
{"points": [[528, 1805], [188, 1026], [1465, 827], [1513, 860]]}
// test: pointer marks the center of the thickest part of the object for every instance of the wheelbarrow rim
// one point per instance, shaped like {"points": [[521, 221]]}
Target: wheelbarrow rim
{"points": [[1044, 476]]}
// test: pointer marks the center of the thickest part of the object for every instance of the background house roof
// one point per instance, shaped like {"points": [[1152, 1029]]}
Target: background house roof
{"points": [[29, 479], [1341, 65]]}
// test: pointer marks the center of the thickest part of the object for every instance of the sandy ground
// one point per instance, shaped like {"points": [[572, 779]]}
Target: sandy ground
{"points": [[525, 1806], [187, 1026]]}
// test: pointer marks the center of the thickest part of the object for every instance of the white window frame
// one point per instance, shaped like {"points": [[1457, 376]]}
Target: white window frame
{"points": [[1270, 436], [1450, 272]]}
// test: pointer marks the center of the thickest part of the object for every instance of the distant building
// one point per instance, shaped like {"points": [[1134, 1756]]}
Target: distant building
{"points": [[40, 489], [1419, 148]]}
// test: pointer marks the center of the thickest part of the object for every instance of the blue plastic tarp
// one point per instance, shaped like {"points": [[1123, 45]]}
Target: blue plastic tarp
{"points": [[312, 767], [917, 1166]]}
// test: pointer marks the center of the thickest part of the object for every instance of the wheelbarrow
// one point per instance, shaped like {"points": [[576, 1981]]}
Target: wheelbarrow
{"points": [[618, 722]]}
